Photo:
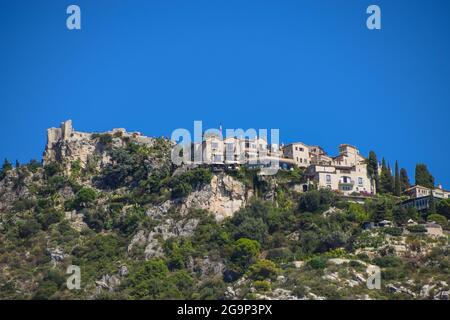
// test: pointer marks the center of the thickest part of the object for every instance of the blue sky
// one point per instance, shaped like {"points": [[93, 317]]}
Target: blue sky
{"points": [[310, 68]]}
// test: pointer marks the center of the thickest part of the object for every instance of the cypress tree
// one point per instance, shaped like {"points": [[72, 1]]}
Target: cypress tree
{"points": [[372, 168], [391, 179], [397, 183], [431, 203], [404, 180], [386, 179]]}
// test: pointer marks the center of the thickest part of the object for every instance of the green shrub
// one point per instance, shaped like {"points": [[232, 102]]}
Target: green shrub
{"points": [[84, 197], [318, 263], [316, 200], [262, 285], [418, 228], [28, 228], [396, 232], [52, 169], [280, 254], [264, 269], [388, 261], [439, 219], [244, 252]]}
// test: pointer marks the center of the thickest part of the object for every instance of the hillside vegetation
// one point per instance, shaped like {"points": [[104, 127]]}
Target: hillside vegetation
{"points": [[139, 228]]}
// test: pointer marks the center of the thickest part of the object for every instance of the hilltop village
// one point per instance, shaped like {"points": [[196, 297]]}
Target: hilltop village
{"points": [[139, 226], [346, 173]]}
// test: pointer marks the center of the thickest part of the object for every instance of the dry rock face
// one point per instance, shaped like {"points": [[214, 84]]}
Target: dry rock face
{"points": [[223, 197]]}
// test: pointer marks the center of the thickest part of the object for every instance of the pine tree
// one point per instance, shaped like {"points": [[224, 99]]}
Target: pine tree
{"points": [[423, 176], [372, 168], [397, 183], [17, 164], [404, 180]]}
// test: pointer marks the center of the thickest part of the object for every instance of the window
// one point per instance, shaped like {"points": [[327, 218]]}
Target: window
{"points": [[217, 158], [360, 181], [301, 149], [214, 145], [328, 177], [346, 188]]}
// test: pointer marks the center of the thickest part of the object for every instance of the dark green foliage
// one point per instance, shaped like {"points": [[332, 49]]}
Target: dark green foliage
{"points": [[84, 198], [372, 168], [244, 253], [431, 203], [397, 182], [131, 165], [318, 263], [400, 215], [264, 270], [404, 180], [388, 261], [418, 228], [386, 179], [152, 280], [316, 200], [28, 228], [184, 183], [49, 216], [52, 169], [396, 232], [443, 208], [7, 166], [178, 252], [439, 219], [423, 176], [280, 255], [52, 282]]}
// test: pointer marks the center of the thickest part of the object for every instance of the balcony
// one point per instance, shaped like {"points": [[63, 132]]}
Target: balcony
{"points": [[345, 181]]}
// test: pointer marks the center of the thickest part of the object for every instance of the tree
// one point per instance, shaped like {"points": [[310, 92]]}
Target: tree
{"points": [[7, 166], [386, 180], [431, 203], [372, 168], [404, 180], [439, 219], [244, 253], [264, 269], [443, 208], [423, 176], [400, 215], [397, 183], [84, 197]]}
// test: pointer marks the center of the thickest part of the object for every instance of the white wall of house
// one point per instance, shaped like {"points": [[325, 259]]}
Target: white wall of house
{"points": [[299, 152]]}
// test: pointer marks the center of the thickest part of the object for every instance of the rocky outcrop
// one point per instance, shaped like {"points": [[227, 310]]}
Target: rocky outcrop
{"points": [[65, 145], [223, 197]]}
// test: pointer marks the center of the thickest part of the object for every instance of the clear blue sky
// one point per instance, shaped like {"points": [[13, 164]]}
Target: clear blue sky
{"points": [[310, 68]]}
